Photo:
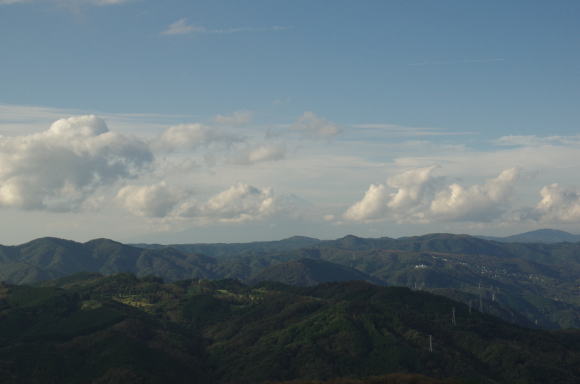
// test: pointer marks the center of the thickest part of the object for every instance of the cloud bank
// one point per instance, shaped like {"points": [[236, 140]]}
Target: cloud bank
{"points": [[238, 203], [418, 195], [184, 175]]}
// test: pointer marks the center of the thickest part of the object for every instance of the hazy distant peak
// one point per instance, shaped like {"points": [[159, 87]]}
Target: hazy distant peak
{"points": [[544, 235], [301, 238]]}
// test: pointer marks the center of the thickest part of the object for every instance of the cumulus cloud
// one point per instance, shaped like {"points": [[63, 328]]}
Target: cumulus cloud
{"points": [[58, 169], [405, 196], [412, 189], [371, 207], [311, 126], [238, 203], [418, 195], [241, 202], [191, 136], [236, 118], [483, 202], [558, 204], [149, 200]]}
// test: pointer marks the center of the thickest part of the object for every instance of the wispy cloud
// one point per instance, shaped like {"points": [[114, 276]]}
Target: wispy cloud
{"points": [[395, 130], [183, 27], [10, 2], [312, 126], [27, 119], [109, 2], [533, 140], [236, 118], [75, 3], [455, 62]]}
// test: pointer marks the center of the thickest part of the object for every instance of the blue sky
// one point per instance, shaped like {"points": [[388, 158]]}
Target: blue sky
{"points": [[324, 105]]}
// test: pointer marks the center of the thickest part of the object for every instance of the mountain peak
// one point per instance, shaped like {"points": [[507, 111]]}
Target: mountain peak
{"points": [[102, 240], [48, 240]]}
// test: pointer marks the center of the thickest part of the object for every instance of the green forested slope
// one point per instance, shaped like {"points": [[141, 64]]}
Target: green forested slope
{"points": [[529, 284], [123, 329]]}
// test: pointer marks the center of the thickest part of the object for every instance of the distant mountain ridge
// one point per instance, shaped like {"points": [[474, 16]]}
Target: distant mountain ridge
{"points": [[220, 250], [538, 236], [527, 283]]}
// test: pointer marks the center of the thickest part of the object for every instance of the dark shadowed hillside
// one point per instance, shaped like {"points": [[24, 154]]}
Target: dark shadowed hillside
{"points": [[49, 258], [87, 328], [304, 272]]}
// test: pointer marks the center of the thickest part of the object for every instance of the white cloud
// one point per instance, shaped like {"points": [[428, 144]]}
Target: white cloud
{"points": [[558, 204], [411, 189], [260, 153], [312, 126], [150, 200], [483, 202], [238, 203], [395, 130], [183, 27], [60, 168], [191, 136], [407, 200], [20, 119], [236, 118], [418, 195], [371, 207], [534, 141], [9, 2]]}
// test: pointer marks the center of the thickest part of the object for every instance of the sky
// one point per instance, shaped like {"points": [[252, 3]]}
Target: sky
{"points": [[185, 121]]}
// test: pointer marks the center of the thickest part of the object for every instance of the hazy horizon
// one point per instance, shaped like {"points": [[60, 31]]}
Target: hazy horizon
{"points": [[245, 240]]}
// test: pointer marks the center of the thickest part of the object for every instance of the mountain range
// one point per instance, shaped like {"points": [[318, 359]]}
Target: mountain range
{"points": [[531, 284]]}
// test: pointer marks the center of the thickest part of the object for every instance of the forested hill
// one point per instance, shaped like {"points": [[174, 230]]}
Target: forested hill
{"points": [[93, 329], [526, 283]]}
